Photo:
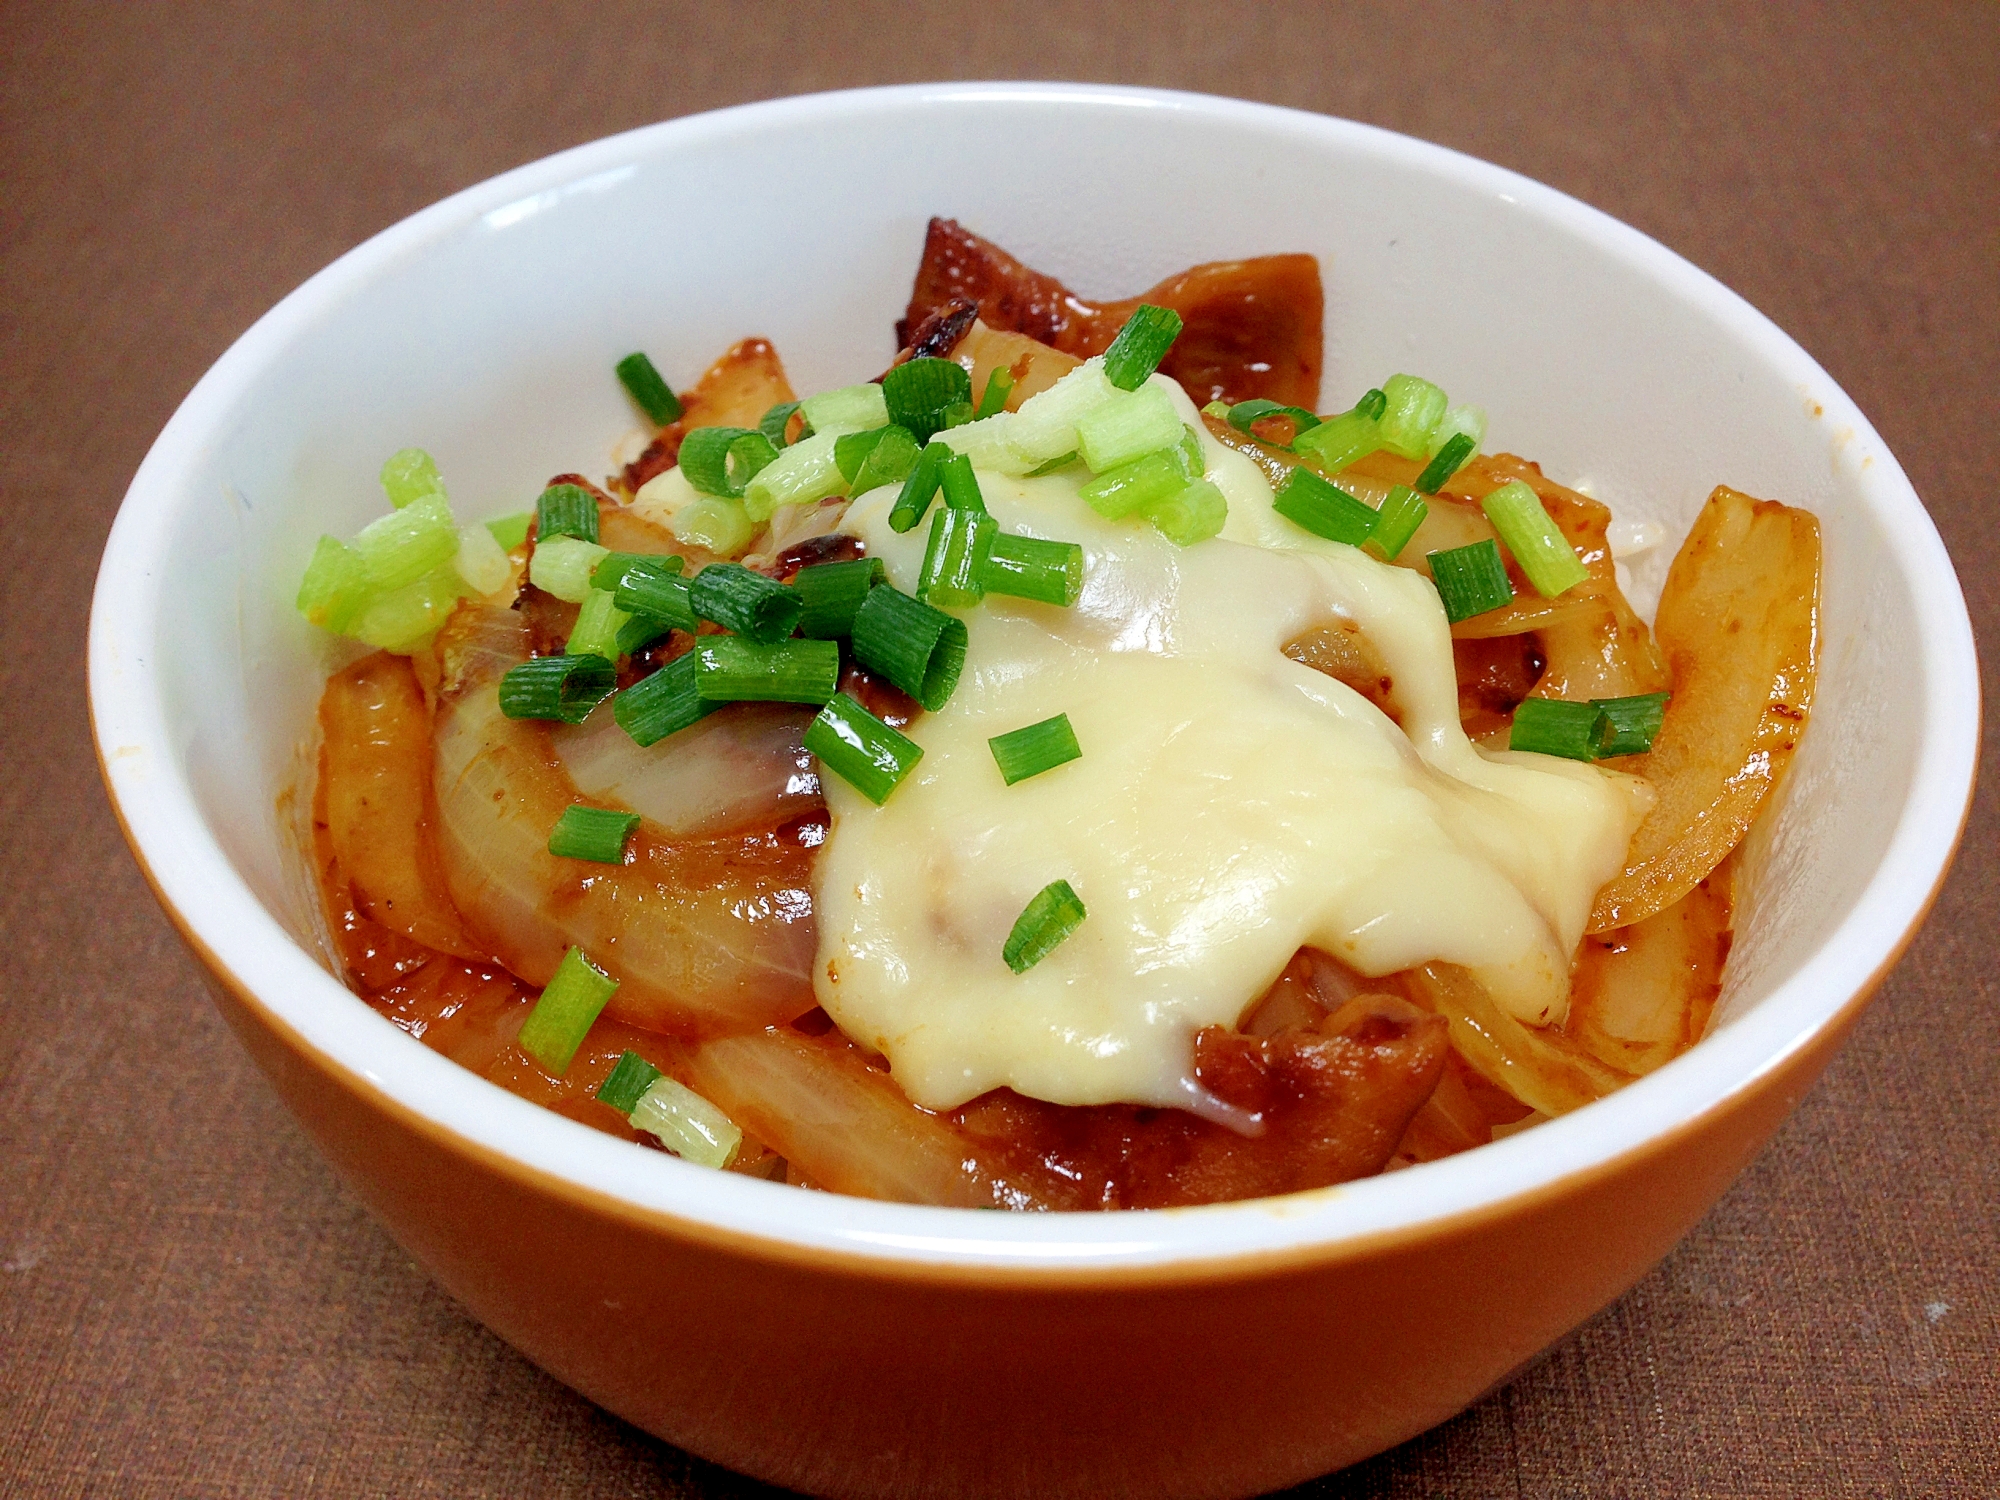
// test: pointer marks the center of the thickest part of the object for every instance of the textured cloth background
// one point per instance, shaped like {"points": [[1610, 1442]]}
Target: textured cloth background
{"points": [[191, 1305]]}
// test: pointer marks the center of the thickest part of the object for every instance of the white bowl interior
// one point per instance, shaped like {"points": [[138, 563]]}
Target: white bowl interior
{"points": [[485, 330]]}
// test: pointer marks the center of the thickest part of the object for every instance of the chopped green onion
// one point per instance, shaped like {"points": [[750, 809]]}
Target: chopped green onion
{"points": [[713, 522], [1140, 346], [597, 625], [917, 392], [1412, 410], [401, 619], [639, 631], [1146, 480], [613, 567], [734, 669], [755, 607], [723, 460], [594, 833], [1244, 413], [1028, 567], [1372, 404], [860, 749], [564, 1014], [481, 561], [918, 648], [1129, 424], [1062, 461], [777, 422], [335, 589], [404, 545], [643, 383], [1630, 724], [662, 704], [1469, 420], [919, 489], [1029, 751], [1193, 514], [1324, 508], [1446, 462], [1193, 452], [851, 450], [809, 470], [958, 414], [511, 531], [687, 1124], [566, 510], [409, 475], [1340, 441], [993, 400], [562, 566], [831, 593], [959, 483], [1397, 521], [890, 461], [556, 687], [627, 1083], [852, 408], [1537, 543], [1471, 580], [1550, 726], [1053, 914], [650, 587], [1045, 424], [960, 541]]}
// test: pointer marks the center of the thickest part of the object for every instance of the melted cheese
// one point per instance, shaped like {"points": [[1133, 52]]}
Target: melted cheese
{"points": [[1230, 806]]}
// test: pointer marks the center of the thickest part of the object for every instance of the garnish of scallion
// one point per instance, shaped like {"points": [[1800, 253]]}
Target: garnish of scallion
{"points": [[1397, 521], [831, 593], [627, 1082], [1138, 483], [1140, 345], [409, 475], [993, 400], [652, 587], [1446, 462], [1537, 543], [1029, 567], [511, 531], [1243, 414], [597, 834], [919, 488], [919, 391], [920, 649], [598, 625], [564, 1014], [890, 461], [655, 397], [866, 753], [613, 566], [566, 510], [955, 557], [1191, 514], [959, 483], [1471, 580], [687, 1124], [1055, 912], [733, 669], [1630, 724], [723, 460], [776, 424], [566, 688], [1034, 748], [1341, 440], [662, 704], [755, 607], [1412, 409], [1324, 508], [1550, 726]]}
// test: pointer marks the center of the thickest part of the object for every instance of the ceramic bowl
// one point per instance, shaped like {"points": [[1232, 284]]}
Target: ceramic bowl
{"points": [[848, 1347]]}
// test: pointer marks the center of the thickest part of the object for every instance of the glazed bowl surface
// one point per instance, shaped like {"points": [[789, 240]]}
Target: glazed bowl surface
{"points": [[990, 1353]]}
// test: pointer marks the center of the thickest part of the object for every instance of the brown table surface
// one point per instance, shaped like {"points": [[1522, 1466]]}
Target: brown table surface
{"points": [[190, 1304]]}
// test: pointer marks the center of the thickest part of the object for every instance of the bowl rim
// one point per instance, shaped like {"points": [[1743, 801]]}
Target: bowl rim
{"points": [[249, 952]]}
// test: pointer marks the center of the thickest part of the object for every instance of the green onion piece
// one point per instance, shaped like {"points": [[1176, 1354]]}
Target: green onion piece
{"points": [[864, 752], [851, 450], [1324, 508], [613, 568], [1471, 580], [852, 408], [959, 483], [1448, 461], [594, 833], [831, 593], [563, 1016], [399, 620], [566, 510], [1052, 466], [1630, 724], [957, 414], [1140, 346], [890, 461], [803, 473], [482, 562], [919, 489], [993, 400], [1054, 913], [1193, 514], [1412, 410], [734, 669], [1397, 521], [629, 1080], [1128, 425], [597, 625], [1146, 480], [639, 631], [409, 475], [687, 1124], [556, 687], [723, 460], [1027, 567], [562, 566], [1340, 441], [721, 525], [960, 542], [404, 545], [918, 648], [663, 704], [511, 531], [1372, 404], [1469, 420], [643, 383], [1549, 726], [1244, 413], [755, 607], [1537, 543], [1029, 751], [335, 589], [657, 591], [1193, 452], [918, 390], [774, 424]]}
